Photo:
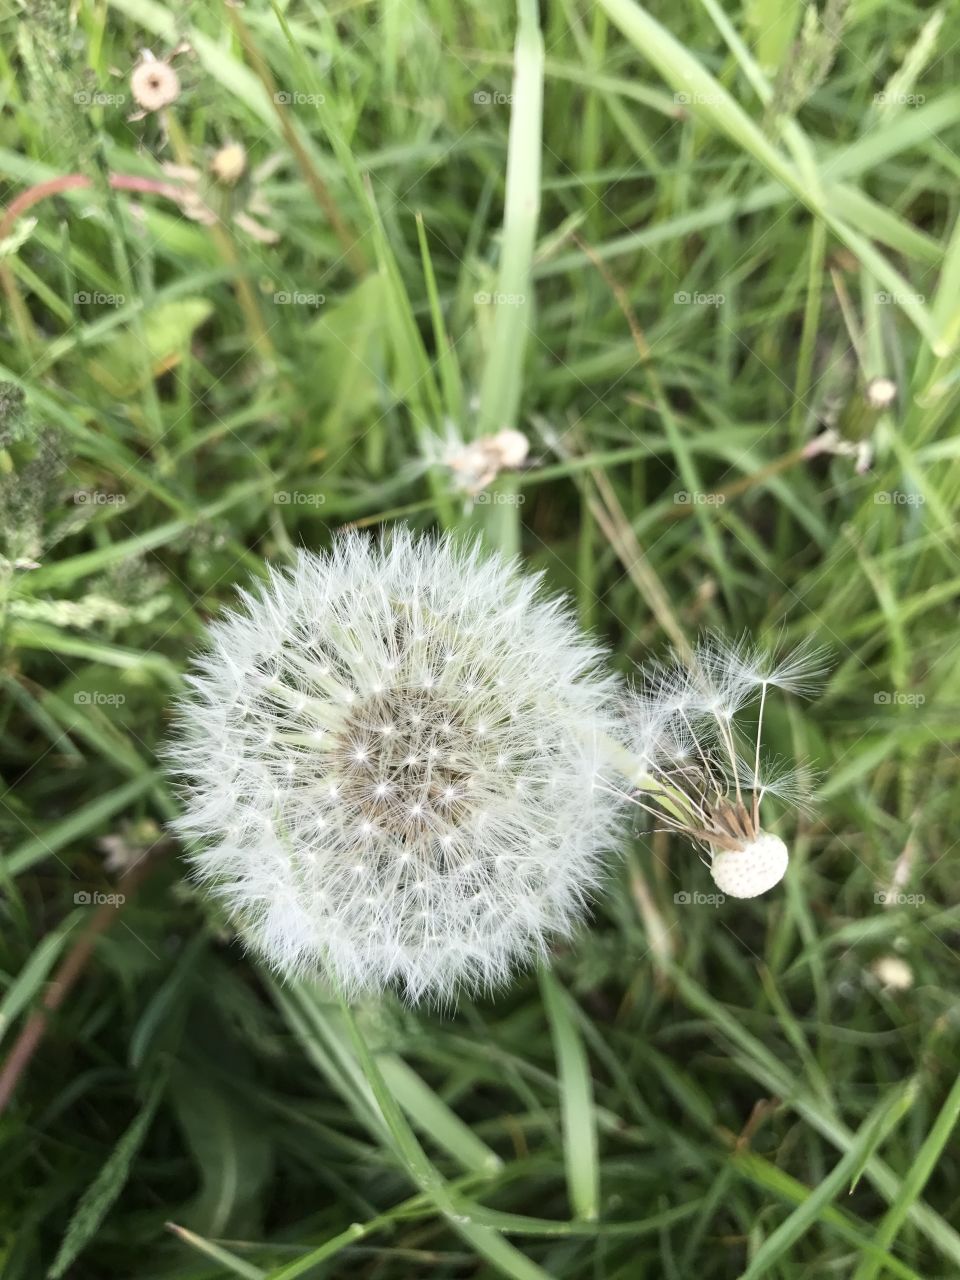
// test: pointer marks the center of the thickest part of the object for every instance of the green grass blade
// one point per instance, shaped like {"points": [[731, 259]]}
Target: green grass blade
{"points": [[576, 1100], [915, 1179], [868, 1137], [501, 384]]}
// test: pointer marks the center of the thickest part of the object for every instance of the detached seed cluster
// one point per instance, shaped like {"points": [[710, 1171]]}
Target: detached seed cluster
{"points": [[697, 772]]}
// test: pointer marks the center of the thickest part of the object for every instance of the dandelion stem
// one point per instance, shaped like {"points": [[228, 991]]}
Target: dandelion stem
{"points": [[458, 1212]]}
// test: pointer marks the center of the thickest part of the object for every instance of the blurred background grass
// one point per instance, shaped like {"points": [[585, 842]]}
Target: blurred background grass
{"points": [[724, 229]]}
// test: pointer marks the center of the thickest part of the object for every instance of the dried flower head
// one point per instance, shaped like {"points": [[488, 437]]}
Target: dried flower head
{"points": [[693, 774], [390, 756], [229, 164], [893, 973], [226, 191], [153, 83], [881, 393], [475, 464]]}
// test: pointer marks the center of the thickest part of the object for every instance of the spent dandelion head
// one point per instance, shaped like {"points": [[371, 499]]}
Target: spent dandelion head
{"points": [[474, 464], [229, 164], [693, 773], [154, 84], [390, 756], [227, 190]]}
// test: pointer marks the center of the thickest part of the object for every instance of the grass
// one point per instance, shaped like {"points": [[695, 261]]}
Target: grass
{"points": [[673, 248]]}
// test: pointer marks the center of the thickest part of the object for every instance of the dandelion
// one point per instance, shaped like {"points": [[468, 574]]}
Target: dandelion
{"points": [[390, 756], [153, 83], [692, 773]]}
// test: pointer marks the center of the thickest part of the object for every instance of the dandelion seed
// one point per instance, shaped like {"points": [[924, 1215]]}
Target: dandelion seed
{"points": [[691, 775], [409, 794]]}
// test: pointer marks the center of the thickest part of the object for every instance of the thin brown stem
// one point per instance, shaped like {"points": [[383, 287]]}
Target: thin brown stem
{"points": [[54, 187], [348, 241], [73, 965]]}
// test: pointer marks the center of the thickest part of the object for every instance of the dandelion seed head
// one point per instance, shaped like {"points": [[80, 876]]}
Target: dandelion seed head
{"points": [[449, 796]]}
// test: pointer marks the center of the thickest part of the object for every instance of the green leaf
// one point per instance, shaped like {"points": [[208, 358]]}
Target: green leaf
{"points": [[576, 1098], [122, 366], [230, 1150]]}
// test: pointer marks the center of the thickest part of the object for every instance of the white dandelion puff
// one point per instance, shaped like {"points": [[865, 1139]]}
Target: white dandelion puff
{"points": [[389, 759], [154, 83], [690, 772]]}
